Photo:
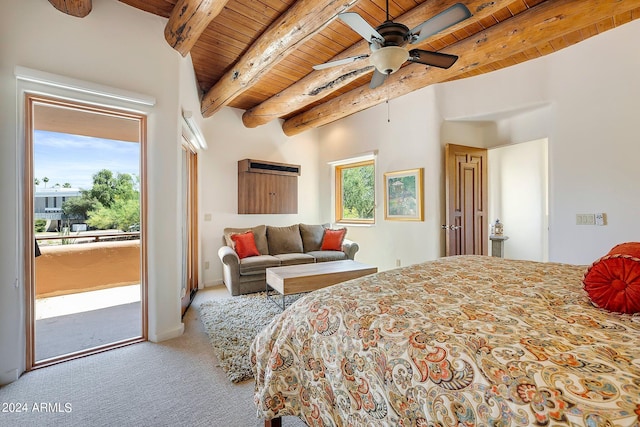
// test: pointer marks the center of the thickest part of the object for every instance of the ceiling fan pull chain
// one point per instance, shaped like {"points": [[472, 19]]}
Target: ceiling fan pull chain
{"points": [[388, 105], [388, 112]]}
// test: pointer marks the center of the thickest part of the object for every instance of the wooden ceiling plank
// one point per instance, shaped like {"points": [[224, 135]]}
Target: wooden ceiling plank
{"points": [[533, 27], [574, 37], [303, 19], [77, 8], [160, 8], [623, 18], [605, 24], [503, 14], [317, 84], [589, 31], [188, 20], [239, 24], [516, 7], [488, 22]]}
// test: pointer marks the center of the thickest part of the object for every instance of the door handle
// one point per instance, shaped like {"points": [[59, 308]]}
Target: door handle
{"points": [[451, 227]]}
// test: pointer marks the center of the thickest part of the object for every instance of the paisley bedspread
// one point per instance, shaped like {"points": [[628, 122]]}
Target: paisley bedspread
{"points": [[460, 341]]}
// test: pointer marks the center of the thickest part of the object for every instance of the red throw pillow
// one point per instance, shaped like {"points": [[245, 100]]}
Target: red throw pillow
{"points": [[245, 244], [613, 281], [332, 239]]}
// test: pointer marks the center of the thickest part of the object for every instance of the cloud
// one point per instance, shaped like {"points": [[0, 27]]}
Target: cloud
{"points": [[75, 159]]}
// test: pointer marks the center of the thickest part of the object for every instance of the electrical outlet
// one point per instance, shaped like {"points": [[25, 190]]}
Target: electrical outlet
{"points": [[398, 263], [585, 219], [601, 218], [206, 265]]}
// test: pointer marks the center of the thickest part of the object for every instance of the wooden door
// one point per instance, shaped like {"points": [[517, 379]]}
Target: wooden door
{"points": [[190, 259], [466, 201], [284, 195]]}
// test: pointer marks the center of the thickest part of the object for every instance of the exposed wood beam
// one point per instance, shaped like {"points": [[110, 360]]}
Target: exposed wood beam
{"points": [[77, 8], [188, 20], [284, 35], [528, 29], [318, 84]]}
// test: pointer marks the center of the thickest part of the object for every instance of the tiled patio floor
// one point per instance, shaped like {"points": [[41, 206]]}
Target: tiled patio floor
{"points": [[75, 322]]}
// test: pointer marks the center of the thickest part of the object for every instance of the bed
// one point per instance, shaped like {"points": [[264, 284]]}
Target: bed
{"points": [[464, 341]]}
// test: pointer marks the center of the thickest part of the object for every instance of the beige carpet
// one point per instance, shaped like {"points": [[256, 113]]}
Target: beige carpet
{"points": [[233, 323], [173, 383]]}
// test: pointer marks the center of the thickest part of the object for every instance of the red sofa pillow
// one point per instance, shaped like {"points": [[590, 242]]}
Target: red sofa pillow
{"points": [[245, 244], [613, 281], [332, 239]]}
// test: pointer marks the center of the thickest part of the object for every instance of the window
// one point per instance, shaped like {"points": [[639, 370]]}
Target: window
{"points": [[355, 192]]}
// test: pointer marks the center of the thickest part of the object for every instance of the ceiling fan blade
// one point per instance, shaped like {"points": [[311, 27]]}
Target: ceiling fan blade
{"points": [[456, 13], [435, 59], [337, 62], [377, 79], [360, 26]]}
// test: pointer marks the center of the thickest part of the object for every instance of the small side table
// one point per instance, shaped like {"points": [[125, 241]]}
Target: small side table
{"points": [[497, 245]]}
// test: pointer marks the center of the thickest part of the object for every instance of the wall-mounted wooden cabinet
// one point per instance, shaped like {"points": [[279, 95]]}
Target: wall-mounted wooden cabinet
{"points": [[267, 187]]}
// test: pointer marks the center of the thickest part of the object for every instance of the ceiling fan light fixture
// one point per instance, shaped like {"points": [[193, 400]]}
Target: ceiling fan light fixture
{"points": [[389, 59]]}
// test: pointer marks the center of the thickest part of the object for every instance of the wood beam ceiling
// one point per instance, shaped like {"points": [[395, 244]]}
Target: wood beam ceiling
{"points": [[301, 21], [257, 55], [77, 8], [318, 84], [533, 27], [188, 20]]}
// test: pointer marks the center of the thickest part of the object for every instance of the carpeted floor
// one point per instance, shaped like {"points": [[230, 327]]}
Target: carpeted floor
{"points": [[233, 323], [173, 383]]}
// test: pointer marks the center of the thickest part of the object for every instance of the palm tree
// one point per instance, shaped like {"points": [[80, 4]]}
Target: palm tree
{"points": [[45, 180], [36, 182], [66, 185]]}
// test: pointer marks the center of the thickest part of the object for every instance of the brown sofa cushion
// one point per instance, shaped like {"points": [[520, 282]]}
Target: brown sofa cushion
{"points": [[257, 264], [284, 240], [259, 234], [311, 236], [324, 256], [294, 259]]}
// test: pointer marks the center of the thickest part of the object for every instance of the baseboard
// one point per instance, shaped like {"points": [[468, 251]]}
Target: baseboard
{"points": [[212, 283], [167, 335], [9, 377]]}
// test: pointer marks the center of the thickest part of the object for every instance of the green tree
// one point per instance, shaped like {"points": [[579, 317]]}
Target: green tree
{"points": [[121, 215], [36, 182], [117, 201], [358, 198], [112, 202], [107, 188], [40, 225], [79, 207], [66, 185], [45, 180]]}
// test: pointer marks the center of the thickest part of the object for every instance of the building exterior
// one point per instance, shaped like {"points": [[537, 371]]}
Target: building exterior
{"points": [[47, 204]]}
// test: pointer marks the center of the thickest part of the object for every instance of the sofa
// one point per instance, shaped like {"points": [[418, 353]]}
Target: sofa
{"points": [[274, 247]]}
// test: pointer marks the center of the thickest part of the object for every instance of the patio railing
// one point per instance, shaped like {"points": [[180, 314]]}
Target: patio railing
{"points": [[80, 262]]}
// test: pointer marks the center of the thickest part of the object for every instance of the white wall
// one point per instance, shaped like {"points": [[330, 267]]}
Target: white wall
{"points": [[587, 108], [410, 140], [229, 141], [592, 130], [518, 197], [117, 46]]}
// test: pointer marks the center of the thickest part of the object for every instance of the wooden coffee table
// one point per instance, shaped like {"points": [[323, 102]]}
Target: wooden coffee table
{"points": [[294, 279]]}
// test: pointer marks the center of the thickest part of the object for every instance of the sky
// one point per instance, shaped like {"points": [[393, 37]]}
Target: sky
{"points": [[74, 159]]}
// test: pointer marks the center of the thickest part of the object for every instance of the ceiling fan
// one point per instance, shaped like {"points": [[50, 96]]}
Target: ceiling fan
{"points": [[388, 41]]}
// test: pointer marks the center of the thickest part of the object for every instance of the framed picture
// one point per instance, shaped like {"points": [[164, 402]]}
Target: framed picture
{"points": [[403, 195]]}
